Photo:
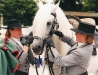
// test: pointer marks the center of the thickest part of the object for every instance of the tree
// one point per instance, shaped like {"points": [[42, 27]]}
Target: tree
{"points": [[79, 5], [23, 10], [90, 5], [70, 5]]}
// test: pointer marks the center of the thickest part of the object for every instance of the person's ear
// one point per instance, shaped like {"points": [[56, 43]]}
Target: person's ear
{"points": [[84, 35]]}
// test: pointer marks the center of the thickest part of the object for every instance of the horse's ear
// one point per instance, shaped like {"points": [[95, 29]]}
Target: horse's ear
{"points": [[40, 4], [55, 7], [58, 4]]}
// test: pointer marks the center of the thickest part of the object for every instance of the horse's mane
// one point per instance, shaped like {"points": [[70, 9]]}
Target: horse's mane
{"points": [[64, 24]]}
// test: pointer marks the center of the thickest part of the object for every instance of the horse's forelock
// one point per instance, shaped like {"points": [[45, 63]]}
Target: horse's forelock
{"points": [[41, 19]]}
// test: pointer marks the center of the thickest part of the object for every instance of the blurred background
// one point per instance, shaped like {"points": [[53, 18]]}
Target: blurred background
{"points": [[25, 10]]}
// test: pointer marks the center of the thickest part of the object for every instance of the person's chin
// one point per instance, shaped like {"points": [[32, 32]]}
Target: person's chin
{"points": [[18, 37]]}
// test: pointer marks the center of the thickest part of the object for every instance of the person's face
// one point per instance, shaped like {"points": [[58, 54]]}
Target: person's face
{"points": [[80, 37], [16, 33]]}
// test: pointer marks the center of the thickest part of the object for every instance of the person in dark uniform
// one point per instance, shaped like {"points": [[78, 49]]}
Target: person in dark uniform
{"points": [[77, 59], [14, 32]]}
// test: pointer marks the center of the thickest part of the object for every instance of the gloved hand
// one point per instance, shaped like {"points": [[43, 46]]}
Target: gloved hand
{"points": [[27, 40], [22, 40], [49, 42], [94, 51], [58, 33], [30, 34]]}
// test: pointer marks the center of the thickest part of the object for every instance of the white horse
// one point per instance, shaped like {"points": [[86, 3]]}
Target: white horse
{"points": [[42, 25]]}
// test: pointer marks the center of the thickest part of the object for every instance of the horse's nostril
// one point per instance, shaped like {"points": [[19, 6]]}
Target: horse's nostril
{"points": [[39, 47]]}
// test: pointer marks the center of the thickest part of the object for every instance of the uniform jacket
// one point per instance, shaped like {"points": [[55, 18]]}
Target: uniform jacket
{"points": [[96, 41], [76, 61], [24, 58]]}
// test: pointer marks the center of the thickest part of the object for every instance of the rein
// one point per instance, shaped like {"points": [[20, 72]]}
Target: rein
{"points": [[48, 62], [55, 25]]}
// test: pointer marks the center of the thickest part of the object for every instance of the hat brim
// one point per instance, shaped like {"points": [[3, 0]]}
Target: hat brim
{"points": [[76, 30], [14, 27]]}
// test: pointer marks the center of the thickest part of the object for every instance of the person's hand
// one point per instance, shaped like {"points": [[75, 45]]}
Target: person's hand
{"points": [[58, 33], [22, 40], [27, 40], [30, 34], [94, 51], [49, 42], [25, 49]]}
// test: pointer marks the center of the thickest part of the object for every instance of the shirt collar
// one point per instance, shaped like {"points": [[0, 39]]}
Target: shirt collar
{"points": [[79, 44], [15, 39]]}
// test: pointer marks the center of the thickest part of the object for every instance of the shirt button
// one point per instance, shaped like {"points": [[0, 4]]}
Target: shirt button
{"points": [[26, 69], [25, 66]]}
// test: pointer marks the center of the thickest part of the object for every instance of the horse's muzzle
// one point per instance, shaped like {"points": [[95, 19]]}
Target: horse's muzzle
{"points": [[38, 50]]}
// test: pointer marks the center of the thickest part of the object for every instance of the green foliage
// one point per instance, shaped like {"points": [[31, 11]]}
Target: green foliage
{"points": [[90, 5], [70, 5], [23, 10], [78, 5]]}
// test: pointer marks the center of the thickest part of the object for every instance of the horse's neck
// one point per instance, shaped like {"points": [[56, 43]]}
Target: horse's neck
{"points": [[60, 46]]}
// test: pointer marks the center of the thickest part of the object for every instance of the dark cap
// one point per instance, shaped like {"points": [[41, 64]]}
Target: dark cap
{"points": [[13, 23], [85, 28]]}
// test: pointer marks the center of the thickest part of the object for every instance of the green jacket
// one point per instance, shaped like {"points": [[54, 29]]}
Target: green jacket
{"points": [[8, 54]]}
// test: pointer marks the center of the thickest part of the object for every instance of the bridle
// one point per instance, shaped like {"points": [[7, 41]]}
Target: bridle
{"points": [[55, 26]]}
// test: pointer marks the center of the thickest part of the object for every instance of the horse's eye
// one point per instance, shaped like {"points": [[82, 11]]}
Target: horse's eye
{"points": [[48, 23]]}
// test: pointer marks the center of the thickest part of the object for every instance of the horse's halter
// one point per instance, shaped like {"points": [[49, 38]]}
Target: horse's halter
{"points": [[55, 25]]}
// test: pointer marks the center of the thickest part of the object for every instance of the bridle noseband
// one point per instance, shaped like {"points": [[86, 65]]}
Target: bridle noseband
{"points": [[37, 37]]}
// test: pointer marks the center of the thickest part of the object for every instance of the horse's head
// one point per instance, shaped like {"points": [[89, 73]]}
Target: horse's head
{"points": [[42, 25]]}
